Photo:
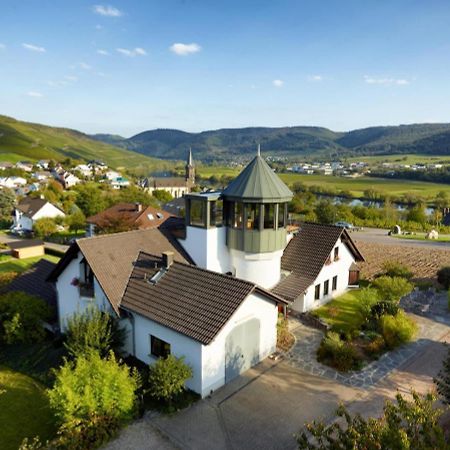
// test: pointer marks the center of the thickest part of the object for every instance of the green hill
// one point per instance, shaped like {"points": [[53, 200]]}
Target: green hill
{"points": [[230, 144], [29, 141]]}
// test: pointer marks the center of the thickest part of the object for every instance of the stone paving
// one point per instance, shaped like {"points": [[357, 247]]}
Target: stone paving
{"points": [[303, 354]]}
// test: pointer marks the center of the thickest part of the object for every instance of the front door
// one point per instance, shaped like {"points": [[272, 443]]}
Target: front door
{"points": [[353, 277], [241, 348]]}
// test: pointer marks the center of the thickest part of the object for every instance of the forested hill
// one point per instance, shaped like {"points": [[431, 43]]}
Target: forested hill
{"points": [[225, 144]]}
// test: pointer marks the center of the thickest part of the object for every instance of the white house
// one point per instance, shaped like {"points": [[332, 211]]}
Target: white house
{"points": [[68, 180], [84, 169], [31, 209], [212, 295], [12, 182]]}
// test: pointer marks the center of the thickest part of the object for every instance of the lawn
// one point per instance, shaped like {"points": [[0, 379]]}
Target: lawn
{"points": [[421, 237], [24, 410], [342, 313], [20, 265]]}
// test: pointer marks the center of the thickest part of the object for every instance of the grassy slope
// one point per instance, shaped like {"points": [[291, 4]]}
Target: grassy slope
{"points": [[355, 185], [23, 140], [20, 265], [24, 410]]}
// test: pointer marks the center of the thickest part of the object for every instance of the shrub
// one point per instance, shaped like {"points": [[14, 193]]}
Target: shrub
{"points": [[337, 353], [383, 308], [21, 317], [443, 277], [398, 329], [44, 227], [91, 387], [376, 346], [94, 330], [167, 378], [285, 339], [7, 277], [396, 269], [368, 297], [392, 288], [442, 380]]}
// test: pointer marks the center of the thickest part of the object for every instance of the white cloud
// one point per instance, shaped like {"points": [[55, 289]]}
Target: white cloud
{"points": [[71, 78], [34, 48], [315, 78], [34, 94], [184, 49], [85, 66], [138, 51], [385, 81], [278, 83], [103, 52], [107, 10]]}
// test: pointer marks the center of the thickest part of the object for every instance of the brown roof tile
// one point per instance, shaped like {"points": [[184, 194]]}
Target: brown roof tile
{"points": [[193, 301]]}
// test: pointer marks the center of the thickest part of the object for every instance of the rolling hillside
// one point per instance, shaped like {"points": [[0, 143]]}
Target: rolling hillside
{"points": [[30, 141], [226, 144]]}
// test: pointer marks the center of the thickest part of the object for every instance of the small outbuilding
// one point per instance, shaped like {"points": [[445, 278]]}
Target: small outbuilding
{"points": [[27, 248]]}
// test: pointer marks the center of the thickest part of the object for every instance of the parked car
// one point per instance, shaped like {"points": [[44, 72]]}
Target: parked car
{"points": [[347, 225]]}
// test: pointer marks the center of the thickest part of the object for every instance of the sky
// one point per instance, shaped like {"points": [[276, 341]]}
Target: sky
{"points": [[129, 66]]}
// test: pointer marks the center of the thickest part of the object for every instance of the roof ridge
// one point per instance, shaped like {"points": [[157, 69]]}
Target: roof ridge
{"points": [[99, 236]]}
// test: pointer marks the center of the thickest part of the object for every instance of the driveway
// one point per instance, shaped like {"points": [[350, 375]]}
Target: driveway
{"points": [[271, 402]]}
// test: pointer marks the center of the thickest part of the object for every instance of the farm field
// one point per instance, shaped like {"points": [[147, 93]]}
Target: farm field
{"points": [[423, 262], [402, 159], [356, 186]]}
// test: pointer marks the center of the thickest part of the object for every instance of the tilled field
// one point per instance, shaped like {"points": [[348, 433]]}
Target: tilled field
{"points": [[423, 262]]}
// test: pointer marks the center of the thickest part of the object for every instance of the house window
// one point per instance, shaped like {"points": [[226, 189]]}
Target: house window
{"points": [[317, 292], [334, 287], [326, 287], [336, 253], [158, 347]]}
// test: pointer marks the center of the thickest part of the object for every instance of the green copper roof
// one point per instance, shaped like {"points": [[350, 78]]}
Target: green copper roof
{"points": [[258, 183]]}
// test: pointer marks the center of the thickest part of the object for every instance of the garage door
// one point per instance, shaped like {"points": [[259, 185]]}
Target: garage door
{"points": [[241, 348]]}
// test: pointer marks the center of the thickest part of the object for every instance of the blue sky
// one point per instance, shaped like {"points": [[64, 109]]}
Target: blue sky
{"points": [[127, 66]]}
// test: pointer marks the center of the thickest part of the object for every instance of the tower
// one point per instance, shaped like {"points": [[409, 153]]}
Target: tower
{"points": [[190, 169], [255, 214]]}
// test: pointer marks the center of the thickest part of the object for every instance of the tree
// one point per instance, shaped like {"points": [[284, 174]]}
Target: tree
{"points": [[93, 330], [325, 212], [44, 227], [417, 214], [167, 377], [162, 195], [7, 200], [442, 380], [90, 199], [404, 425], [91, 387], [21, 317], [76, 221], [392, 289], [441, 201], [133, 194]]}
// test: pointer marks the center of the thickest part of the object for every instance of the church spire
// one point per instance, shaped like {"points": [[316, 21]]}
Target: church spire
{"points": [[259, 150], [190, 161], [190, 169]]}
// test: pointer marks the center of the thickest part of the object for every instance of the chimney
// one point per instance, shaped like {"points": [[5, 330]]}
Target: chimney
{"points": [[167, 259], [139, 207]]}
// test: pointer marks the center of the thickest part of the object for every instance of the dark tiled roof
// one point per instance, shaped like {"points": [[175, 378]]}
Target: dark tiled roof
{"points": [[143, 217], [161, 182], [111, 257], [193, 301], [306, 254], [33, 282], [25, 243]]}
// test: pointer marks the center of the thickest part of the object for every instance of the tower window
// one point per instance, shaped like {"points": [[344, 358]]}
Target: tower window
{"points": [[237, 217], [216, 213], [197, 216], [269, 216], [281, 215], [252, 216]]}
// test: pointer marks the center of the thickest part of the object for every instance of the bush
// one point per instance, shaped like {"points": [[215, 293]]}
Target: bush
{"points": [[44, 227], [376, 346], [443, 277], [383, 308], [392, 289], [167, 378], [93, 330], [396, 269], [7, 277], [337, 353], [91, 387], [285, 339], [368, 297], [398, 329], [22, 317]]}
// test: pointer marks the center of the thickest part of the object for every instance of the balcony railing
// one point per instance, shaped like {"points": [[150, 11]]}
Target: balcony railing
{"points": [[87, 290]]}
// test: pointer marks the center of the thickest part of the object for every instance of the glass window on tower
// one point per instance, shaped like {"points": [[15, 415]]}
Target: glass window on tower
{"points": [[216, 213], [281, 215], [269, 216], [237, 217], [252, 216], [197, 216]]}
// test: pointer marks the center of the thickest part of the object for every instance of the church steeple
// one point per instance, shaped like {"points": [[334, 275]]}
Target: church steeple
{"points": [[190, 169]]}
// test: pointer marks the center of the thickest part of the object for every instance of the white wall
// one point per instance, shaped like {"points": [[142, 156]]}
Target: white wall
{"points": [[263, 269], [213, 355], [48, 210], [340, 268], [69, 300], [180, 345], [207, 247]]}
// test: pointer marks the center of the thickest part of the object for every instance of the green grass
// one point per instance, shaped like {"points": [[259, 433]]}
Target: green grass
{"points": [[24, 410], [20, 265], [421, 237], [342, 313], [401, 159]]}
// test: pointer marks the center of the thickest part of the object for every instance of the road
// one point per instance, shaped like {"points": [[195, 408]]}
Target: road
{"points": [[380, 236]]}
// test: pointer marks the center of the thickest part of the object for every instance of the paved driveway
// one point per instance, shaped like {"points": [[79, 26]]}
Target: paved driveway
{"points": [[268, 404]]}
